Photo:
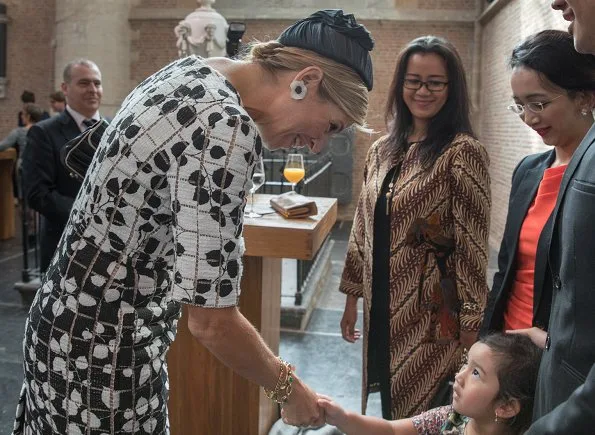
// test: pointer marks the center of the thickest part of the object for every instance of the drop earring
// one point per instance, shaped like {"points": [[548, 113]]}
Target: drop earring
{"points": [[496, 420], [298, 89]]}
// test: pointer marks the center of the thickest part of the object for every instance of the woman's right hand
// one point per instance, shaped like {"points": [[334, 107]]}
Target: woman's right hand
{"points": [[301, 409], [349, 320]]}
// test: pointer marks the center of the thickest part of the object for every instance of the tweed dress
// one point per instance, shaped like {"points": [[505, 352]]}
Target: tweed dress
{"points": [[157, 223]]}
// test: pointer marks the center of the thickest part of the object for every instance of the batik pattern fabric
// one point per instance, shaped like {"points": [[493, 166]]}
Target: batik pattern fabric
{"points": [[157, 223], [452, 200]]}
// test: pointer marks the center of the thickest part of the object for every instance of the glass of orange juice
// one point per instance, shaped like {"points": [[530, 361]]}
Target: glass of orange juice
{"points": [[294, 169]]}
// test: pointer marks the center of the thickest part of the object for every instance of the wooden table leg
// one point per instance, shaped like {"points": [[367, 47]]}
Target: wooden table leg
{"points": [[205, 396]]}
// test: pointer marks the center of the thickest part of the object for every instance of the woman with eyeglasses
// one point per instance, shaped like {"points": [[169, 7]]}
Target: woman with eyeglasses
{"points": [[417, 254], [553, 89]]}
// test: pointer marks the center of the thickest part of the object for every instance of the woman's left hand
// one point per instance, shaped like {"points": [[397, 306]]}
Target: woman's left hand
{"points": [[537, 336]]}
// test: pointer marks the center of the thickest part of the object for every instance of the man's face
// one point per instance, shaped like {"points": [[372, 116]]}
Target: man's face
{"points": [[581, 14], [84, 91]]}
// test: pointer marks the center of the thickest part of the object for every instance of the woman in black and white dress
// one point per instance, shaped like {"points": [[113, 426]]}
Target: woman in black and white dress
{"points": [[158, 222]]}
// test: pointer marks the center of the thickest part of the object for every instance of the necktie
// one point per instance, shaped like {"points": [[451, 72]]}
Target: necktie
{"points": [[89, 122]]}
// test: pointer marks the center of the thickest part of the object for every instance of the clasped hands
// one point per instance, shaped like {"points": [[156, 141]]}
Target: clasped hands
{"points": [[302, 409]]}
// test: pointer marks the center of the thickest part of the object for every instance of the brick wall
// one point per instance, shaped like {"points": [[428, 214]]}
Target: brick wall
{"points": [[159, 3], [153, 47], [446, 4], [30, 63], [506, 137]]}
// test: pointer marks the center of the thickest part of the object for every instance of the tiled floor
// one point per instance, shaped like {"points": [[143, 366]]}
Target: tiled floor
{"points": [[323, 359]]}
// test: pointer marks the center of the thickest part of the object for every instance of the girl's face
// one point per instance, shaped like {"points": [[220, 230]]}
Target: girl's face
{"points": [[476, 385], [561, 122]]}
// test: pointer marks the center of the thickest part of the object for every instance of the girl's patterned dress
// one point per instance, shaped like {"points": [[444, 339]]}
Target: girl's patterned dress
{"points": [[440, 421]]}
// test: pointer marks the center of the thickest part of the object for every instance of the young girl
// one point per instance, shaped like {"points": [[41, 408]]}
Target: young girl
{"points": [[492, 395]]}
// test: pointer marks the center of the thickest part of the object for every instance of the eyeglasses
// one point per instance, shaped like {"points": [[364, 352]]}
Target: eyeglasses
{"points": [[533, 106], [431, 85]]}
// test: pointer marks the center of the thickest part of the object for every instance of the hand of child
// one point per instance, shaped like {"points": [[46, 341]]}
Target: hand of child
{"points": [[334, 413]]}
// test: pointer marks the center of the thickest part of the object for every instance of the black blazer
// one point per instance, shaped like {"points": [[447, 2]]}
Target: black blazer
{"points": [[48, 187], [525, 181], [570, 349]]}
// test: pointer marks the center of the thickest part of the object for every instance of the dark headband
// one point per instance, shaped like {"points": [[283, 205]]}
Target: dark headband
{"points": [[337, 36]]}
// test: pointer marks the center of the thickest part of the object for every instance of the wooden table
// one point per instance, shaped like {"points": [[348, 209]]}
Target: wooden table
{"points": [[206, 397], [7, 226]]}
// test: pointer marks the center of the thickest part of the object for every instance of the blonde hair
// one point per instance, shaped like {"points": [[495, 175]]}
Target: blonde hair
{"points": [[340, 85]]}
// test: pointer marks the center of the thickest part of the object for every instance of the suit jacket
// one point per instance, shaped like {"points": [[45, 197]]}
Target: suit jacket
{"points": [[570, 347], [525, 181], [48, 187]]}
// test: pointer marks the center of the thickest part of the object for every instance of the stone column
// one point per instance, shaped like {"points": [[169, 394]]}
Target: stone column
{"points": [[99, 31]]}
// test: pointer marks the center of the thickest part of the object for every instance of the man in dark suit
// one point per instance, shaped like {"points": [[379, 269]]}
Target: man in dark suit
{"points": [[565, 397], [49, 188]]}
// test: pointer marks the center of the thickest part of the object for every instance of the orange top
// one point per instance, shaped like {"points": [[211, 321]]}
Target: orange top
{"points": [[519, 310]]}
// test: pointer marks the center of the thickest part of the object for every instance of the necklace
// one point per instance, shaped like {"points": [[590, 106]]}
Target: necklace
{"points": [[389, 192], [393, 182]]}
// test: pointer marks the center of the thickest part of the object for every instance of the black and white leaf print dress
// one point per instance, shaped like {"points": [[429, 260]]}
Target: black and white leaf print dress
{"points": [[158, 222]]}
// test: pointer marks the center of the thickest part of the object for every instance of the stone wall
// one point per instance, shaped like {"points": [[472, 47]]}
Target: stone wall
{"points": [[30, 57], [99, 31]]}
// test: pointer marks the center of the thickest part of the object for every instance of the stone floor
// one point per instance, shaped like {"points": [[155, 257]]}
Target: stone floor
{"points": [[323, 359], [12, 322]]}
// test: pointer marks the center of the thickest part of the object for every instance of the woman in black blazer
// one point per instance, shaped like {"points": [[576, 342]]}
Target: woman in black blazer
{"points": [[553, 89]]}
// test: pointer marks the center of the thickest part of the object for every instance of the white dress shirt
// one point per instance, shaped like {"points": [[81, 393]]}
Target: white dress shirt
{"points": [[78, 118]]}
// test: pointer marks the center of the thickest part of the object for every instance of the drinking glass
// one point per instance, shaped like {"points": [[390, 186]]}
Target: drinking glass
{"points": [[257, 182], [294, 169]]}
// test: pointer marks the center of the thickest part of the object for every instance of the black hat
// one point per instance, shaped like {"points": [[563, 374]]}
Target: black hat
{"points": [[337, 36]]}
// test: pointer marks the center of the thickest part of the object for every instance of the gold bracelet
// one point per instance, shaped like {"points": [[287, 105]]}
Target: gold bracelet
{"points": [[283, 387], [282, 376]]}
